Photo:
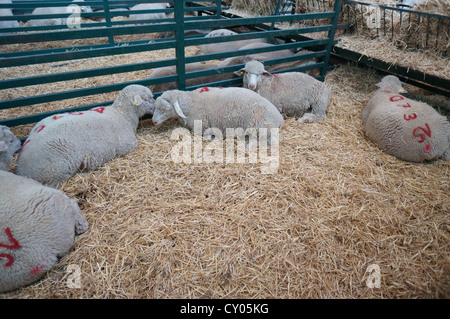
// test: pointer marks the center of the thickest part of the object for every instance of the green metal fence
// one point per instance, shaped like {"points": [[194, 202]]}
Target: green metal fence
{"points": [[174, 27]]}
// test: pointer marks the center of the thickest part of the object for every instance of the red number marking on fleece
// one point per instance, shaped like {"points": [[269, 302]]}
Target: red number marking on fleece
{"points": [[98, 109], [427, 148], [55, 117], [76, 113], [387, 91], [405, 105], [39, 128], [205, 89], [410, 117], [10, 259], [396, 98], [37, 269], [15, 243], [426, 130], [26, 142]]}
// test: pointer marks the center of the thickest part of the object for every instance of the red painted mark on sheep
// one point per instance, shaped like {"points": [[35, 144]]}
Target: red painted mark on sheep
{"points": [[98, 109], [410, 117], [396, 98], [426, 130], [204, 89], [76, 113], [427, 148], [26, 142], [15, 243], [37, 269], [10, 258], [55, 117], [405, 105], [387, 91], [39, 128]]}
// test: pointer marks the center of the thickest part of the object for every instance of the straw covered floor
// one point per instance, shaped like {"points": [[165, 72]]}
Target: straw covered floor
{"points": [[335, 207]]}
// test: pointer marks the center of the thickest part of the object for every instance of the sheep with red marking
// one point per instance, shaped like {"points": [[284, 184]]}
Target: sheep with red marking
{"points": [[38, 225], [407, 129], [9, 145], [61, 145], [293, 93], [220, 108]]}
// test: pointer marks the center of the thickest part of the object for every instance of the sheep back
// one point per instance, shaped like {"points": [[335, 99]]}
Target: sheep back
{"points": [[407, 129], [38, 225], [61, 145]]}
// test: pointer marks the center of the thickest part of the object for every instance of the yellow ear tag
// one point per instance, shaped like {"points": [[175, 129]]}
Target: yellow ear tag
{"points": [[241, 73], [135, 102], [401, 90]]}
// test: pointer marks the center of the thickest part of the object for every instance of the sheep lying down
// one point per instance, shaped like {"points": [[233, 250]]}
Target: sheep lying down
{"points": [[292, 93], [219, 108], [38, 225], [61, 145], [407, 129]]}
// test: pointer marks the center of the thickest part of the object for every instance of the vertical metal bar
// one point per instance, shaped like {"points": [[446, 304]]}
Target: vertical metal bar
{"points": [[219, 8], [331, 33], [428, 30], [108, 20], [179, 46]]}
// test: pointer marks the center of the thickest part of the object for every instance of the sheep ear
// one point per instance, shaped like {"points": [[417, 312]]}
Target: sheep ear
{"points": [[3, 146], [240, 72], [378, 84], [402, 90], [267, 73], [137, 100], [177, 108]]}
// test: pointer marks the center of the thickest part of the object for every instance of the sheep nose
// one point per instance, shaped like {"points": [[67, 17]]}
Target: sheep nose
{"points": [[251, 86], [155, 122]]}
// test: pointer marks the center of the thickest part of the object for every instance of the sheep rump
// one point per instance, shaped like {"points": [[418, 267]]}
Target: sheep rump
{"points": [[38, 226], [407, 129]]}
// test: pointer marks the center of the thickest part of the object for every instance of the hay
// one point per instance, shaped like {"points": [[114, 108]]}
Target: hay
{"points": [[420, 60], [337, 205]]}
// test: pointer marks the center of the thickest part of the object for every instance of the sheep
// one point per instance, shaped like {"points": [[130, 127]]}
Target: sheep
{"points": [[190, 67], [7, 12], [292, 93], [407, 129], [219, 108], [61, 145], [56, 10], [226, 46], [148, 16], [9, 145], [38, 225]]}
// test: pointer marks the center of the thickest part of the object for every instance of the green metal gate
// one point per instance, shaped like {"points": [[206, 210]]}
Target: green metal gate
{"points": [[211, 18]]}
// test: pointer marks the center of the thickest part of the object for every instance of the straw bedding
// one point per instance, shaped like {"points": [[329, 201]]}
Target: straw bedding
{"points": [[336, 205]]}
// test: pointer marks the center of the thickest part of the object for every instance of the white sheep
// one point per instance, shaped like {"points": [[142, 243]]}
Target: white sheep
{"points": [[148, 16], [57, 10], [219, 108], [7, 12], [9, 145], [61, 145], [407, 129], [38, 225], [226, 46], [293, 93]]}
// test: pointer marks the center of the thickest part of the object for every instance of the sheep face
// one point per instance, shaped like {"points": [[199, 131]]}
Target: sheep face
{"points": [[140, 97], [253, 73], [391, 83], [166, 108], [10, 140]]}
